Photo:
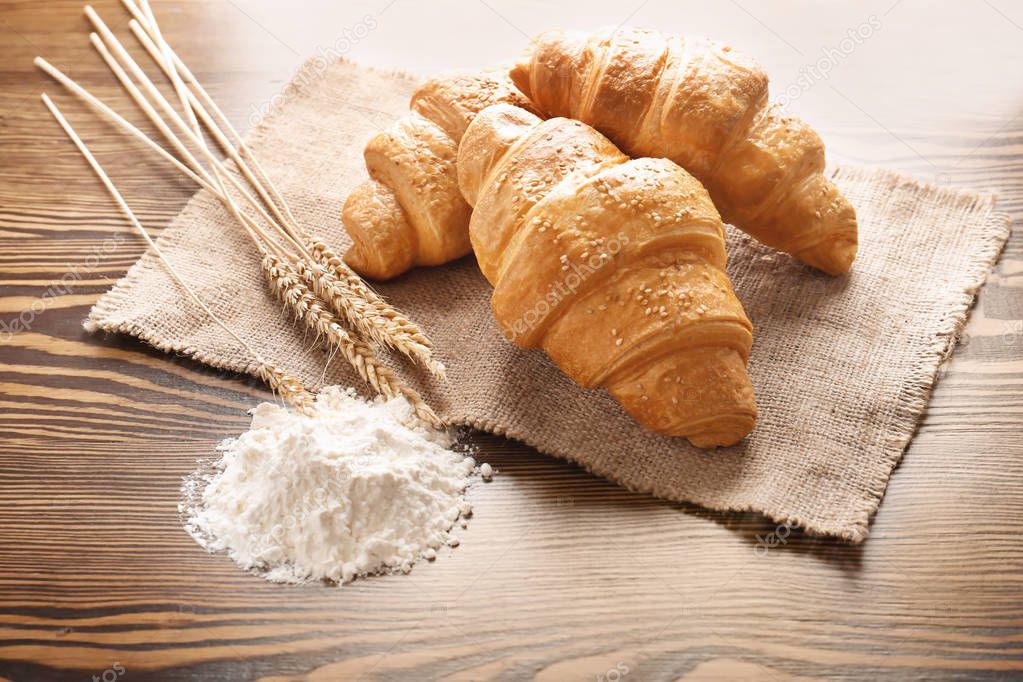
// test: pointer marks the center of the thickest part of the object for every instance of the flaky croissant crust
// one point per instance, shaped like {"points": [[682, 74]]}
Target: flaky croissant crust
{"points": [[614, 266], [705, 106], [410, 211]]}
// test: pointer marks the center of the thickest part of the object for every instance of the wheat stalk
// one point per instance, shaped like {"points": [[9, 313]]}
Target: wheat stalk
{"points": [[146, 29], [287, 386], [288, 285]]}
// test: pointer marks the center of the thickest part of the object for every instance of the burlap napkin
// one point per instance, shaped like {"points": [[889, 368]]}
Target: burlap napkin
{"points": [[842, 367]]}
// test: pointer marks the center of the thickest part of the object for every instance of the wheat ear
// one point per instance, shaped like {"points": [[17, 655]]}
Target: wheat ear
{"points": [[286, 385], [287, 284], [400, 325], [363, 317]]}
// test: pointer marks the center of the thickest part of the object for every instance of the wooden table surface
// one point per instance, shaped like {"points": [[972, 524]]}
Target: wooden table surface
{"points": [[560, 575]]}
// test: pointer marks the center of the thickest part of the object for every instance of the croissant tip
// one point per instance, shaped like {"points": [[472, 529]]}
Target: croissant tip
{"points": [[834, 258], [519, 73], [723, 431], [356, 260]]}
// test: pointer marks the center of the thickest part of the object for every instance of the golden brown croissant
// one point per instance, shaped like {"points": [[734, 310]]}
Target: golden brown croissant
{"points": [[616, 267], [410, 212], [704, 106]]}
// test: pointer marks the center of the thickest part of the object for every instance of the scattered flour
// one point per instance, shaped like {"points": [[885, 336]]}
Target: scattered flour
{"points": [[351, 490]]}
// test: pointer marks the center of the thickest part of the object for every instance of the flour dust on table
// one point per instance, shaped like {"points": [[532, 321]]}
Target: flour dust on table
{"points": [[352, 488]]}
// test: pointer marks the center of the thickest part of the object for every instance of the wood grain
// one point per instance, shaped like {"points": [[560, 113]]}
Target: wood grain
{"points": [[560, 575]]}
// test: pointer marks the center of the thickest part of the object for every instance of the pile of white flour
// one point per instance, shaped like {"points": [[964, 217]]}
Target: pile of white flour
{"points": [[353, 489]]}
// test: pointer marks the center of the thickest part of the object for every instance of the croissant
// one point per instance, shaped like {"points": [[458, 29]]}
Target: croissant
{"points": [[615, 267], [410, 211], [704, 106]]}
